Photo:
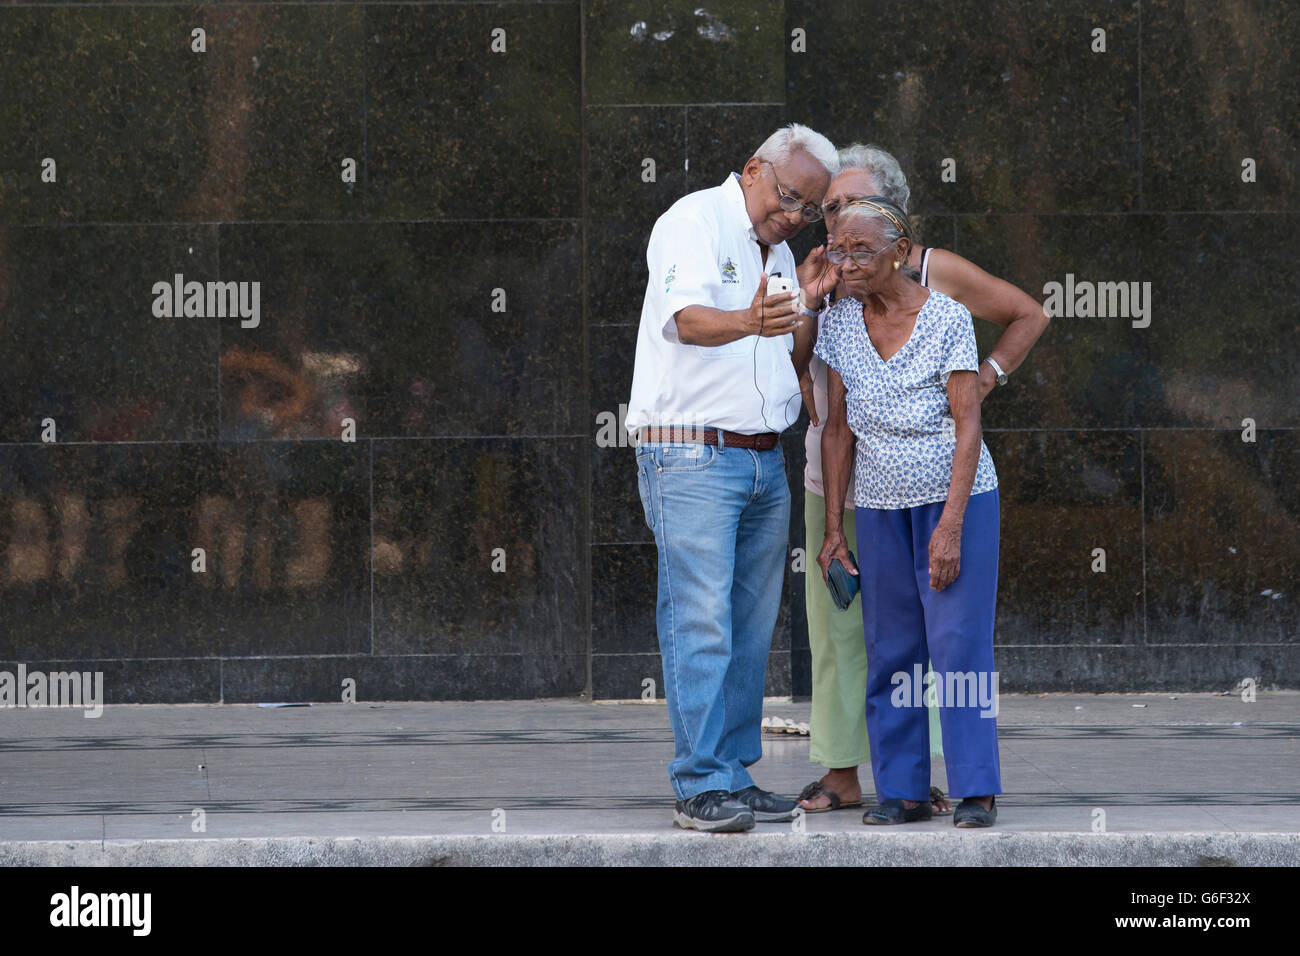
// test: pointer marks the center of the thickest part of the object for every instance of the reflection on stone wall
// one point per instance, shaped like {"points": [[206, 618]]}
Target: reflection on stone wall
{"points": [[398, 469]]}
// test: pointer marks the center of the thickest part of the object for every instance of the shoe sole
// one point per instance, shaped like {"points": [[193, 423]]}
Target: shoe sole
{"points": [[741, 821], [871, 821], [773, 816]]}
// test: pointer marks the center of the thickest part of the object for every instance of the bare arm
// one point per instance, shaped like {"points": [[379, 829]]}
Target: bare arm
{"points": [[805, 337], [767, 315], [994, 300], [837, 459], [816, 278], [945, 543]]}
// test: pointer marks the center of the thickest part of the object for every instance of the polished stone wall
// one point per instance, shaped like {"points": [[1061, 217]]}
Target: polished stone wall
{"points": [[398, 467]]}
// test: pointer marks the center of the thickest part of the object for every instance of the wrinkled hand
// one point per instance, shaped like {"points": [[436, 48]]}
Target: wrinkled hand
{"points": [[945, 555], [772, 315], [834, 546], [817, 276]]}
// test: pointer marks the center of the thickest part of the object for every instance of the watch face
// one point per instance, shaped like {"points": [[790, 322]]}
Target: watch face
{"points": [[1002, 379]]}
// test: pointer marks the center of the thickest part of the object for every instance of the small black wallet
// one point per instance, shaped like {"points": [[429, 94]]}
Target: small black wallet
{"points": [[843, 586]]}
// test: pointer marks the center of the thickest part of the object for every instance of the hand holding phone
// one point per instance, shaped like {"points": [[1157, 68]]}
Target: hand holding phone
{"points": [[775, 308]]}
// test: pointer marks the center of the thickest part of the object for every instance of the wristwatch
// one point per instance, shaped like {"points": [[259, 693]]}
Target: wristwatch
{"points": [[1002, 376], [804, 310]]}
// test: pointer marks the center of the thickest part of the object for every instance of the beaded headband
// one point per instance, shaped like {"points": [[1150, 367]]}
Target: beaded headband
{"points": [[882, 210]]}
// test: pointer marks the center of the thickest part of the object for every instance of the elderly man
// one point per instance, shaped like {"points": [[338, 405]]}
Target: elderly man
{"points": [[713, 387]]}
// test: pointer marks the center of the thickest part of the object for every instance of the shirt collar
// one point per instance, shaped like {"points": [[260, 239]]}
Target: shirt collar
{"points": [[735, 199]]}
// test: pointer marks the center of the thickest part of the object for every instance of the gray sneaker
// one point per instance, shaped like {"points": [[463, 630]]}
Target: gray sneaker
{"points": [[768, 807], [714, 811]]}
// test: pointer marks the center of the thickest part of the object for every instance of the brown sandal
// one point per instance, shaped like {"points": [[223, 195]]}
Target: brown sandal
{"points": [[935, 796], [816, 789]]}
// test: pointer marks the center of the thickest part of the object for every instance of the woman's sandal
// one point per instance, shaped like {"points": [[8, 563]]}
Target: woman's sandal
{"points": [[937, 795], [816, 789]]}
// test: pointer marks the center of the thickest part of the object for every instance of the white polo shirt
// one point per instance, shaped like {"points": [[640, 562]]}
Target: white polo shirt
{"points": [[703, 251]]}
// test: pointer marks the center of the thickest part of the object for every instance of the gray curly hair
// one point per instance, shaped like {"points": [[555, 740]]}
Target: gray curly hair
{"points": [[883, 167]]}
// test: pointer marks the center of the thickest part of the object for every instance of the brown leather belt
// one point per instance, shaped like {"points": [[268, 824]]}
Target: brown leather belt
{"points": [[708, 436]]}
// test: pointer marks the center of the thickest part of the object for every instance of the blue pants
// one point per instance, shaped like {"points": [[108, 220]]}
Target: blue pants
{"points": [[721, 519], [905, 622]]}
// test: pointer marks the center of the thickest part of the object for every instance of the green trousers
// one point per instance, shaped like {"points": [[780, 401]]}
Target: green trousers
{"points": [[838, 728]]}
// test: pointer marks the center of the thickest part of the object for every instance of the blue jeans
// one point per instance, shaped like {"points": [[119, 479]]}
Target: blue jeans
{"points": [[721, 520]]}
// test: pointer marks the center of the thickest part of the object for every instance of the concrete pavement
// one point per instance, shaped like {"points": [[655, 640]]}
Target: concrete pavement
{"points": [[1181, 780]]}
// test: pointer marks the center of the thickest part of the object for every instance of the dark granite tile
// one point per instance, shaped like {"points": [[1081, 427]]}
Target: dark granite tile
{"points": [[801, 673], [617, 514], [456, 130], [442, 509], [98, 561], [1010, 90], [171, 681], [1062, 495], [619, 141], [679, 52], [420, 677], [624, 595], [362, 322], [623, 676], [1174, 668], [617, 272], [84, 347], [1084, 372], [123, 149], [624, 581], [498, 373], [1218, 87], [284, 108], [1223, 326], [720, 139], [1222, 521], [778, 674], [1214, 344], [256, 126]]}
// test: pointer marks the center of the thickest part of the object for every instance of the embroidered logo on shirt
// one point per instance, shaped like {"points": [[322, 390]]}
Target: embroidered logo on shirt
{"points": [[729, 273], [668, 281]]}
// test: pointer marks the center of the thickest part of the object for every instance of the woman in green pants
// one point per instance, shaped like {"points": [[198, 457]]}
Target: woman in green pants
{"points": [[839, 657]]}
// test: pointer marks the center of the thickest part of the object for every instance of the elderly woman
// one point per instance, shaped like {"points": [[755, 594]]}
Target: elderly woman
{"points": [[904, 380], [839, 658]]}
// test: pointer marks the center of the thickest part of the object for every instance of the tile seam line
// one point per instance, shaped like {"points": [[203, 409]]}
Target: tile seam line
{"points": [[572, 220], [674, 106], [172, 224], [302, 441], [299, 3], [1119, 429]]}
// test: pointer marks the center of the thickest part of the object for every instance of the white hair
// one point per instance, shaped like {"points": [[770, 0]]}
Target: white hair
{"points": [[882, 167], [777, 148]]}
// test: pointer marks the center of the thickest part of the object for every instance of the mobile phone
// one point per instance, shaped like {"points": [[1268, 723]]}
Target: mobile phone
{"points": [[779, 284]]}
